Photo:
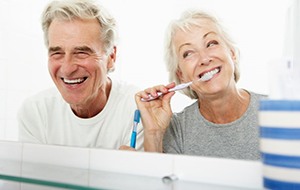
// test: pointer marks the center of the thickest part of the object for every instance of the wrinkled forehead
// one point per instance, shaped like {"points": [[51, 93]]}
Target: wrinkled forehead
{"points": [[196, 28], [204, 24]]}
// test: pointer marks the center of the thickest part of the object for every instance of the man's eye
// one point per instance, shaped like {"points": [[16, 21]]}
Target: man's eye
{"points": [[81, 54], [56, 54], [212, 43]]}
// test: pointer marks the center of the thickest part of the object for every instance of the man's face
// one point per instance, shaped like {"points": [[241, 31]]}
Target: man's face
{"points": [[77, 61]]}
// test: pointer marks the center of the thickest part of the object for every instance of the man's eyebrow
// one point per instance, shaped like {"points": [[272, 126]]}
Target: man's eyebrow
{"points": [[84, 48], [53, 49], [80, 48]]}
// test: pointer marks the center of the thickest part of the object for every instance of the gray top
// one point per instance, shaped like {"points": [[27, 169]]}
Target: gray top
{"points": [[191, 134]]}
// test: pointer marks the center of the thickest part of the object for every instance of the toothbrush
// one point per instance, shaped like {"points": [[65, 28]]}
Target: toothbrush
{"points": [[178, 87], [204, 78], [136, 120]]}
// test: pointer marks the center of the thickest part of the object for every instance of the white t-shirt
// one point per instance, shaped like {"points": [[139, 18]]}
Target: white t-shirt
{"points": [[47, 119]]}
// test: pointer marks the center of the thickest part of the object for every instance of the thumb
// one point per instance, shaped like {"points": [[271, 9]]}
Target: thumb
{"points": [[166, 102]]}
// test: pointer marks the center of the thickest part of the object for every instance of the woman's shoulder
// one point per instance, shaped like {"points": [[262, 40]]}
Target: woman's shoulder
{"points": [[257, 96], [188, 110]]}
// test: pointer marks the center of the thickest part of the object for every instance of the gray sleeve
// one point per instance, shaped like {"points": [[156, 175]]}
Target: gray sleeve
{"points": [[172, 142]]}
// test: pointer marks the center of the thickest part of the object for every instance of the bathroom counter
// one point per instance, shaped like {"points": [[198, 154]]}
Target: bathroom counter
{"points": [[32, 166]]}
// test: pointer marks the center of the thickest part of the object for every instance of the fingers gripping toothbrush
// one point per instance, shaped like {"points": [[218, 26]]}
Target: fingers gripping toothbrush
{"points": [[178, 87], [204, 78]]}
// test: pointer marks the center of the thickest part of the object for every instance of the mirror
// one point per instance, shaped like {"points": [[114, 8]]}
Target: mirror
{"points": [[257, 26]]}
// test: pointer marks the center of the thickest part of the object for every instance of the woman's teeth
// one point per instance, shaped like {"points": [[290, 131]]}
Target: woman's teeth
{"points": [[207, 76]]}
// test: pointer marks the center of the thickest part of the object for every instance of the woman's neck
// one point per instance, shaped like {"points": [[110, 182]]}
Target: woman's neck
{"points": [[226, 108]]}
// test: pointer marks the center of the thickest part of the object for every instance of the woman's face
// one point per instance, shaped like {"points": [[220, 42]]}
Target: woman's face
{"points": [[203, 54]]}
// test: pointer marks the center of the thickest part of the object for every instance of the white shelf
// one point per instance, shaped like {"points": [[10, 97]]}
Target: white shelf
{"points": [[115, 169]]}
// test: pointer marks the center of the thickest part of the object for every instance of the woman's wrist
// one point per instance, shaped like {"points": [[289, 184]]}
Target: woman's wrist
{"points": [[153, 141]]}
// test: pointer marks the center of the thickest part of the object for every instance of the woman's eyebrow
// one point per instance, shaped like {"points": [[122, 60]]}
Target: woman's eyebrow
{"points": [[185, 44], [204, 36], [209, 33]]}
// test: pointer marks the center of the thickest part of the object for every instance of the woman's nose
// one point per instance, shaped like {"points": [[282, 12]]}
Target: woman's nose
{"points": [[205, 59]]}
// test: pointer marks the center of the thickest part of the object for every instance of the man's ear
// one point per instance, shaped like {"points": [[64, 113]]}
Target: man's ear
{"points": [[112, 59]]}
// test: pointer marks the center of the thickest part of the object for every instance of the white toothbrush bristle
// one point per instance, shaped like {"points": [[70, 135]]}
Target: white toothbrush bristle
{"points": [[206, 77], [209, 75]]}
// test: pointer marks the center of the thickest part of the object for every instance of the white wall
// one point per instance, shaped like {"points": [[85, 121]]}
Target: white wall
{"points": [[256, 25], [22, 59]]}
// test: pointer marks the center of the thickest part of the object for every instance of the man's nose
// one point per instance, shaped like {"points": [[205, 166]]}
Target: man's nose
{"points": [[68, 65]]}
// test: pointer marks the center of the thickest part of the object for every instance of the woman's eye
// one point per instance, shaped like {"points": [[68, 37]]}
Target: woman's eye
{"points": [[186, 54], [212, 43]]}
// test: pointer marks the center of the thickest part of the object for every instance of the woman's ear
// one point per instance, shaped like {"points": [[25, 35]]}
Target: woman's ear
{"points": [[233, 56], [179, 75]]}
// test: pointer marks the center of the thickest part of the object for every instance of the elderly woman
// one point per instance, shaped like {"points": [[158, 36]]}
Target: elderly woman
{"points": [[223, 121]]}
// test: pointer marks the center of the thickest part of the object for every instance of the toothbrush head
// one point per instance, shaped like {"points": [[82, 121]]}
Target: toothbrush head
{"points": [[209, 75], [205, 78]]}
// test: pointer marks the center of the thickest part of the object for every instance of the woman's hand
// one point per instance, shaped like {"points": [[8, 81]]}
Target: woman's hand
{"points": [[125, 147], [155, 114]]}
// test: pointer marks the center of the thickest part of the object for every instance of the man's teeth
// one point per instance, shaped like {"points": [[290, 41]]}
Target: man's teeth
{"points": [[207, 76], [73, 81]]}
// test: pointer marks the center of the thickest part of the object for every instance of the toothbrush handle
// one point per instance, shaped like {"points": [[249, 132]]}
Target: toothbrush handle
{"points": [[133, 139], [178, 87]]}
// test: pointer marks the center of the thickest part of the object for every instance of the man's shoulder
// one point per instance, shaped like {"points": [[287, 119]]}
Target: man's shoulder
{"points": [[124, 87], [40, 102], [48, 94]]}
